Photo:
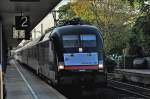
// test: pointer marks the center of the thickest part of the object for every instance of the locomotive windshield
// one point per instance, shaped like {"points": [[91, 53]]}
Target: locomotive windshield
{"points": [[88, 40], [70, 41], [73, 41]]}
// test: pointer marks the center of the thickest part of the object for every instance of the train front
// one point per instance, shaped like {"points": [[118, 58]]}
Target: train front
{"points": [[81, 55]]}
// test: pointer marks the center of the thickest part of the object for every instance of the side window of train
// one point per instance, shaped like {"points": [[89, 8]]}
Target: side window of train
{"points": [[35, 52], [51, 43]]}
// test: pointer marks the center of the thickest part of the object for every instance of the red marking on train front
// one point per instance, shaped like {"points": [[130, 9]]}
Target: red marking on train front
{"points": [[81, 67]]}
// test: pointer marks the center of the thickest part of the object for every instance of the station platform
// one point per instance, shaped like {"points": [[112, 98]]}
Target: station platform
{"points": [[23, 84], [135, 75], [1, 83]]}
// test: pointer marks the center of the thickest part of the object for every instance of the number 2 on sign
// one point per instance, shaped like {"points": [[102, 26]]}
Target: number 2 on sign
{"points": [[24, 22]]}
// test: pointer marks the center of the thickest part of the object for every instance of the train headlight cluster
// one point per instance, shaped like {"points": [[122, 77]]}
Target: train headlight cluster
{"points": [[100, 66], [61, 65]]}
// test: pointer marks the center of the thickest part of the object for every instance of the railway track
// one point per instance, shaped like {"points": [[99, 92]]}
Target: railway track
{"points": [[133, 89]]}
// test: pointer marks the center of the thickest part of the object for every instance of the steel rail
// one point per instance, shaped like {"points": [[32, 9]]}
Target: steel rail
{"points": [[134, 89]]}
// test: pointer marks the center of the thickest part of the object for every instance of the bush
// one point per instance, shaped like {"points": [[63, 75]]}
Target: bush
{"points": [[110, 64], [128, 62]]}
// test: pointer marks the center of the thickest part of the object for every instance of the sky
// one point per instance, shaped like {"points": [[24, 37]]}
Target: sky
{"points": [[47, 21]]}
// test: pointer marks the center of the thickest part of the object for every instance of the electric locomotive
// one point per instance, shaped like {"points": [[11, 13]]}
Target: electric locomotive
{"points": [[79, 53], [68, 54]]}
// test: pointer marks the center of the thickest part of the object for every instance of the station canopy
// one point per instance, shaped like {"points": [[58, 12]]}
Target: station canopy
{"points": [[35, 9]]}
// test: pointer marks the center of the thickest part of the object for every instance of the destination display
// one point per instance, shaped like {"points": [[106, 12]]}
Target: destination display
{"points": [[74, 59]]}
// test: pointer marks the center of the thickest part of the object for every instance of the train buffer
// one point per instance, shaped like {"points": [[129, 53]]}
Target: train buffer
{"points": [[22, 84]]}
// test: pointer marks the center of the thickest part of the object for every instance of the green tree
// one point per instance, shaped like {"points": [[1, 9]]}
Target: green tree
{"points": [[141, 27], [65, 13], [113, 17]]}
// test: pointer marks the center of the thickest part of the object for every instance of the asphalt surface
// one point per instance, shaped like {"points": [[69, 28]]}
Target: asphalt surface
{"points": [[23, 84]]}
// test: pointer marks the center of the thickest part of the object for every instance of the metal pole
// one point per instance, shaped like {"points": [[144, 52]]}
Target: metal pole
{"points": [[54, 17], [124, 57], [1, 74], [42, 32], [34, 34]]}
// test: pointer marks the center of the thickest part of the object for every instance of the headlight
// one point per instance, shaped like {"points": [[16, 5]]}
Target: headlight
{"points": [[61, 65], [100, 66]]}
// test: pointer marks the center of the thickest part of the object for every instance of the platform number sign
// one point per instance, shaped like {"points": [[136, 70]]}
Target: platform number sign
{"points": [[19, 34], [22, 22]]}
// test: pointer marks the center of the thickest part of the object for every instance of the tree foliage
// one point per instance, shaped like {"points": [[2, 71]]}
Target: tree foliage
{"points": [[141, 27], [65, 13]]}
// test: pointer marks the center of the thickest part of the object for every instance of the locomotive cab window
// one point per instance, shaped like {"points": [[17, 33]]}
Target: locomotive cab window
{"points": [[88, 40], [70, 41]]}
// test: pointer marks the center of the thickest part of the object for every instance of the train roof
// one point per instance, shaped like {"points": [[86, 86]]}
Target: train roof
{"points": [[76, 28], [30, 44]]}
